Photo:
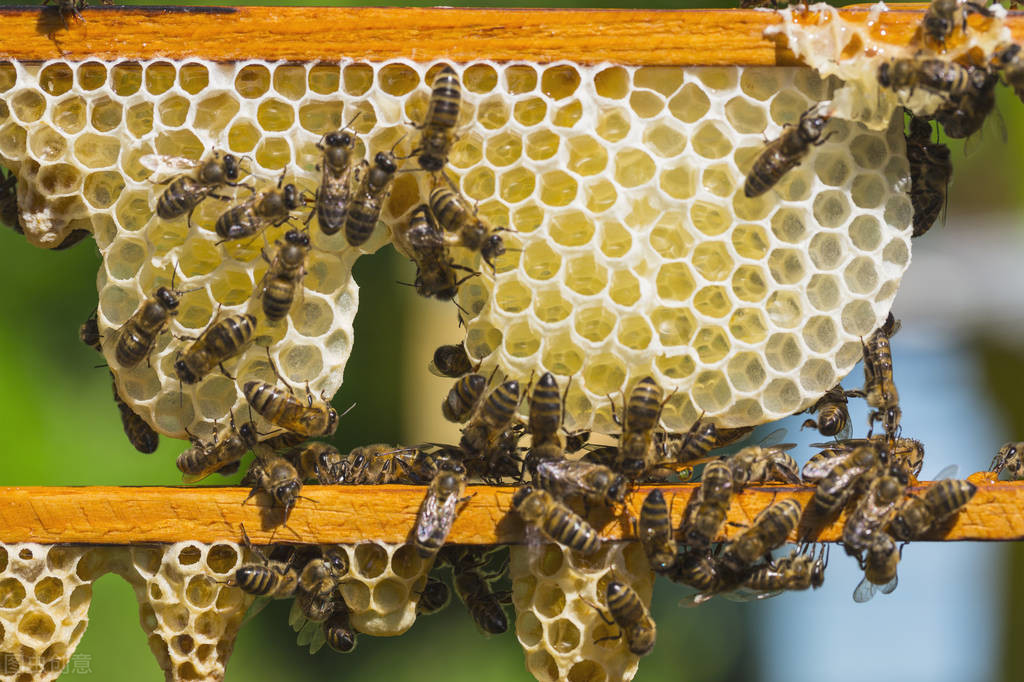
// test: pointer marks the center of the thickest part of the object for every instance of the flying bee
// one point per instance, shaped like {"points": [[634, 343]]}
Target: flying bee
{"points": [[879, 388], [555, 521], [332, 199], [422, 241], [280, 407], [833, 415], [786, 152], [371, 194], [930, 172], [760, 464], [873, 511], [439, 125], [275, 476], [711, 504], [839, 483], [184, 193], [880, 563], [473, 585], [632, 617], [655, 532], [769, 531], [917, 514], [438, 511], [491, 417], [338, 631], [463, 397], [202, 459], [1010, 62], [465, 227], [641, 414], [284, 275], [322, 576], [1009, 458], [935, 75], [943, 17], [220, 341], [796, 572], [451, 360], [594, 483], [137, 336], [434, 597], [261, 210]]}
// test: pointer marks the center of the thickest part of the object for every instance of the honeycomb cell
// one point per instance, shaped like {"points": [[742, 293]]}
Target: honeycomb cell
{"points": [[97, 151], [8, 76], [504, 149], [600, 195], [781, 396], [559, 82], [160, 77], [832, 167], [858, 318], [549, 306], [745, 116], [568, 115], [831, 208], [787, 106], [711, 392], [126, 78], [860, 275], [252, 81], [749, 284], [646, 104], [712, 344], [710, 218], [786, 266], [603, 374], [788, 225], [869, 151], [27, 106], [613, 124], [748, 325], [530, 111], [690, 104], [633, 167], [59, 178], [712, 261], [193, 77], [746, 371], [712, 301], [867, 191], [718, 180], [275, 115], [56, 79], [612, 82], [711, 141], [635, 333], [516, 185], [493, 113], [674, 282], [594, 324], [557, 188], [215, 112], [784, 309], [102, 189], [585, 275], [571, 229], [783, 352], [664, 140], [106, 114], [679, 182], [896, 252], [46, 144]]}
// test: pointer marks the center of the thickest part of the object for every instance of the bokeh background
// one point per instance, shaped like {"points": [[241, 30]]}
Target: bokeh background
{"points": [[957, 615]]}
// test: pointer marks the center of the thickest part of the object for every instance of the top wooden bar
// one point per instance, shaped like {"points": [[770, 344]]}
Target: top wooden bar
{"points": [[631, 37]]}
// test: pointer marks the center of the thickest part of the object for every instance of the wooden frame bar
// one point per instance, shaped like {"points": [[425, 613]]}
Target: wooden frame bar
{"points": [[634, 37], [350, 514]]}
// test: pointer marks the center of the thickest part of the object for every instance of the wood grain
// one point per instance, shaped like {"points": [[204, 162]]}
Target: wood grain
{"points": [[349, 514], [634, 37]]}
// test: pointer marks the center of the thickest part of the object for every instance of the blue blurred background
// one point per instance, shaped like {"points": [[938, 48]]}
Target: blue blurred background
{"points": [[959, 369]]}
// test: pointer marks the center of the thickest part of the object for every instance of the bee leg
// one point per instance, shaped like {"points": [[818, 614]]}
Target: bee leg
{"points": [[225, 372]]}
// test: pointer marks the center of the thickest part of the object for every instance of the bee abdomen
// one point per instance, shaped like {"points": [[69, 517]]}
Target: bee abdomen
{"points": [[179, 198], [277, 298], [268, 400], [571, 530], [446, 208], [362, 218], [445, 99], [132, 345], [236, 223]]}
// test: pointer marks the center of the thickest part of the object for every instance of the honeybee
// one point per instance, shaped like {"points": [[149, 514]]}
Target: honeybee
{"points": [[275, 476], [833, 415], [284, 275], [381, 463], [463, 397], [310, 608], [467, 229], [137, 336], [905, 453], [770, 529], [943, 16], [220, 341], [786, 152], [695, 444], [917, 514], [371, 194], [491, 417], [140, 434], [930, 172], [655, 532], [451, 360], [316, 460], [438, 511], [424, 244], [283, 440], [9, 200], [711, 504], [701, 572], [332, 199], [879, 388], [500, 459], [546, 410], [632, 617], [280, 407], [839, 481], [880, 563], [202, 459], [434, 597], [184, 193], [1009, 458], [439, 125], [963, 115], [1010, 61], [594, 483], [473, 586], [321, 576], [642, 412], [261, 210], [274, 579], [729, 436], [555, 521], [759, 464], [873, 511], [338, 631], [798, 571], [935, 75]]}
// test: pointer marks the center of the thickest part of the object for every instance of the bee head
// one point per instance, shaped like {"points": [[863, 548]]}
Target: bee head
{"points": [[385, 162], [184, 373], [338, 138], [521, 494], [617, 489], [493, 247], [248, 434], [292, 198], [615, 590], [337, 562], [332, 421], [936, 25], [168, 299], [297, 237], [230, 167], [885, 74]]}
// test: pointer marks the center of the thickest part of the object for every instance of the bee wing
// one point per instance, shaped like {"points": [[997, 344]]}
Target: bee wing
{"points": [[846, 431], [744, 594], [163, 166], [296, 619], [257, 605], [889, 586], [436, 514], [947, 472], [695, 600], [773, 438], [308, 631], [865, 591], [817, 469], [317, 639], [994, 122]]}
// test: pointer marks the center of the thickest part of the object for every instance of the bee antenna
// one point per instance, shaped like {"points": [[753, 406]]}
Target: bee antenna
{"points": [[350, 408], [353, 119], [397, 142]]}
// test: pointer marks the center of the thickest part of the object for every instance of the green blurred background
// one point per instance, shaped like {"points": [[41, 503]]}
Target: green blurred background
{"points": [[62, 428]]}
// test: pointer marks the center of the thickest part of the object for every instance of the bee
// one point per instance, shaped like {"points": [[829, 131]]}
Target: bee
{"points": [[880, 563], [711, 504], [695, 444], [71, 7], [439, 125], [9, 201], [632, 617], [833, 415], [332, 199], [274, 579], [839, 482], [311, 608], [758, 464], [438, 511], [1009, 458], [467, 229], [381, 463], [280, 407], [220, 341], [546, 409], [500, 459], [258, 212], [371, 194], [873, 511], [879, 388], [316, 460], [338, 631], [963, 115], [701, 572], [140, 434], [491, 417], [935, 75], [798, 571], [930, 172], [942, 17], [655, 532], [283, 440], [321, 576], [284, 275], [642, 412], [422, 242], [202, 459], [463, 397], [137, 336], [595, 483], [184, 193], [555, 521], [275, 476], [905, 453], [730, 436], [770, 529], [786, 152], [434, 597], [451, 361], [473, 585], [1010, 61], [917, 514]]}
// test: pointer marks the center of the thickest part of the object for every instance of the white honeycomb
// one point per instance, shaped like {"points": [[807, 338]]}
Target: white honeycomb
{"points": [[383, 586], [555, 592], [639, 253], [187, 610]]}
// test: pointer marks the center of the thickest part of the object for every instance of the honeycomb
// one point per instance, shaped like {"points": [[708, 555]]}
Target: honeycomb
{"points": [[556, 593], [635, 252]]}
